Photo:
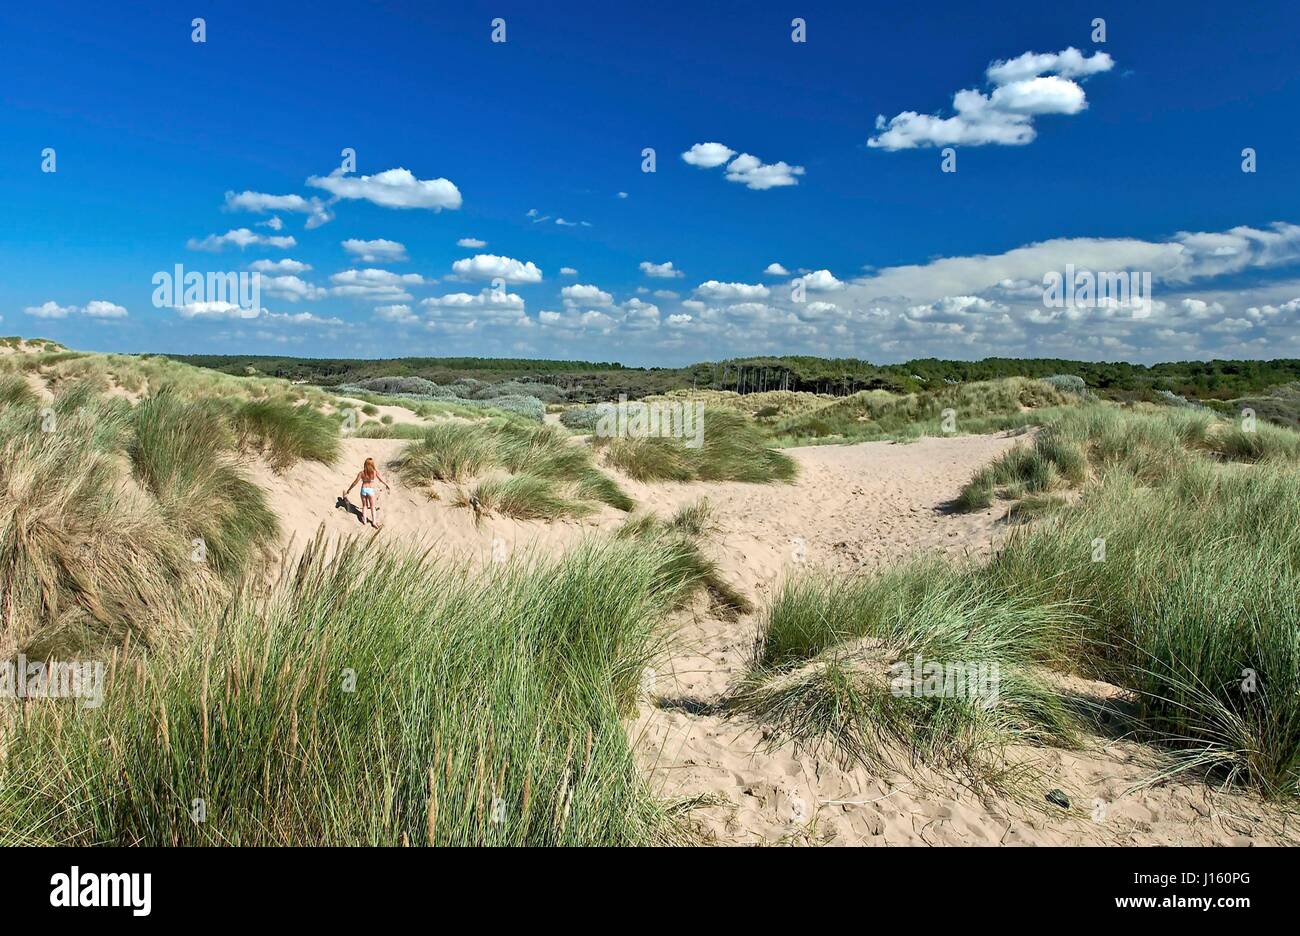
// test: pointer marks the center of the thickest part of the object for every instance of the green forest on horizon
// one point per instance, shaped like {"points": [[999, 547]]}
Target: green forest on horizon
{"points": [[1205, 380]]}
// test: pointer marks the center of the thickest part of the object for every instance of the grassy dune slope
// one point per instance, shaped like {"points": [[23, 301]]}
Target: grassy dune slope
{"points": [[1175, 575], [374, 698]]}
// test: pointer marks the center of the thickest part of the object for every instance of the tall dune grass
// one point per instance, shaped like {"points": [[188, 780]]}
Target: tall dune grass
{"points": [[549, 474], [733, 448], [285, 433], [372, 699], [86, 559], [179, 453], [1191, 594], [823, 668], [1175, 575]]}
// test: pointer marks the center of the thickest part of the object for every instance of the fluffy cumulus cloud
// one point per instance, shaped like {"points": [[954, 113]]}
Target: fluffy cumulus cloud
{"points": [[775, 269], [217, 310], [1028, 86], [660, 270], [491, 266], [394, 188], [50, 310], [494, 309], [963, 307], [96, 308], [374, 285], [744, 168], [398, 312], [375, 251], [260, 203], [712, 289], [820, 281], [241, 238], [753, 173], [582, 294], [291, 288], [708, 155], [279, 267]]}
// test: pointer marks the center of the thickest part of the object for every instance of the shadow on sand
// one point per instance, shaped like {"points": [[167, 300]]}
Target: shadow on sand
{"points": [[345, 504]]}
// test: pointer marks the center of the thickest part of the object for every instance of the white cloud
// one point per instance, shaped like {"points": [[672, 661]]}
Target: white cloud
{"points": [[96, 308], [639, 315], [241, 238], [775, 269], [300, 318], [1070, 63], [622, 194], [216, 310], [400, 313], [758, 175], [491, 266], [821, 281], [471, 243], [260, 203], [1025, 87], [375, 285], [375, 251], [50, 310], [744, 168], [660, 270], [585, 294], [1185, 257], [279, 266], [466, 312], [485, 298], [292, 288], [393, 188], [712, 289], [568, 271], [708, 155]]}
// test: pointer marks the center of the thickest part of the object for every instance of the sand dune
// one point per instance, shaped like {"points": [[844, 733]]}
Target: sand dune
{"points": [[852, 507]]}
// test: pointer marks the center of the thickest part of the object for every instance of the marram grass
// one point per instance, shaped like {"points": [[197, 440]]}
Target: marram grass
{"points": [[372, 698]]}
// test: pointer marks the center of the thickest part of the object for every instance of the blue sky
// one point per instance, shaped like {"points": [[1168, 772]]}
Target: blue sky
{"points": [[825, 159]]}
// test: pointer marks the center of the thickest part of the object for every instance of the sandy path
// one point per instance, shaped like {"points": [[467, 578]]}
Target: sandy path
{"points": [[852, 507]]}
